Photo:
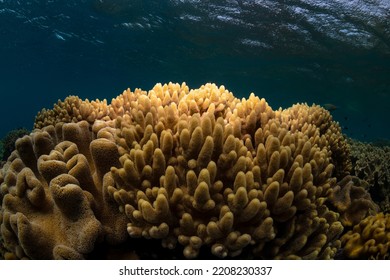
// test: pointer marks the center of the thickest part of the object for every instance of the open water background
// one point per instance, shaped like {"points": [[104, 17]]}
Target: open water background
{"points": [[312, 51]]}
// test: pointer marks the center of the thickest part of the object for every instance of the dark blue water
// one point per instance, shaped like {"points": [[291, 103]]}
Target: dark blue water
{"points": [[310, 51]]}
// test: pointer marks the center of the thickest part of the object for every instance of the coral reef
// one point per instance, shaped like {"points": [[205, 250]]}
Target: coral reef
{"points": [[7, 144], [371, 163], [51, 205], [301, 117], [196, 169], [72, 109], [352, 200], [370, 239]]}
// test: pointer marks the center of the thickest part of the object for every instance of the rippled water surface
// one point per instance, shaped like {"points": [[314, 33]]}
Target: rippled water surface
{"points": [[324, 52]]}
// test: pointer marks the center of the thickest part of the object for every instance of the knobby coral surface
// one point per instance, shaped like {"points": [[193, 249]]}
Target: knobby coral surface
{"points": [[352, 200], [370, 239], [53, 201], [371, 163], [192, 168]]}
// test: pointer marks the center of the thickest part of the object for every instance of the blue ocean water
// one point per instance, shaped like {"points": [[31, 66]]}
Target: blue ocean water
{"points": [[324, 52]]}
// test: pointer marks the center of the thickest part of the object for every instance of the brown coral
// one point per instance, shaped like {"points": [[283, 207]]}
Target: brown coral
{"points": [[370, 239], [352, 200], [372, 164], [316, 122], [199, 168], [72, 109], [52, 206]]}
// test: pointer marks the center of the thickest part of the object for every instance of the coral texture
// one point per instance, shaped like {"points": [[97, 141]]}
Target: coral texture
{"points": [[352, 200], [301, 117], [53, 202], [193, 168], [370, 239], [371, 163]]}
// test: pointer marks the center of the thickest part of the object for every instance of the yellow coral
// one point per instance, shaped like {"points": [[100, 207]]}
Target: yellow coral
{"points": [[237, 174], [199, 168], [53, 201], [368, 239], [72, 109], [316, 122]]}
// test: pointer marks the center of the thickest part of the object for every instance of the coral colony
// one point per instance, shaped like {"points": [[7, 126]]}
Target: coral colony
{"points": [[198, 170]]}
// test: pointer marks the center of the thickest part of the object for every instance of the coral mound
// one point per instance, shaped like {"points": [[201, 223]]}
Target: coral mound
{"points": [[193, 168]]}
